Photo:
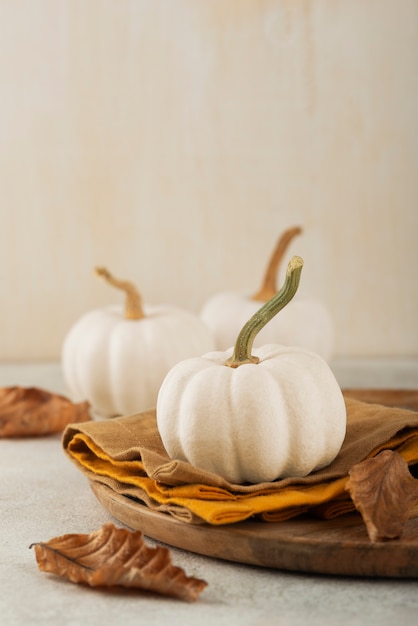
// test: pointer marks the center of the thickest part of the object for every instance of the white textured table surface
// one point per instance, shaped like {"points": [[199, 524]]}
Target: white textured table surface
{"points": [[43, 495]]}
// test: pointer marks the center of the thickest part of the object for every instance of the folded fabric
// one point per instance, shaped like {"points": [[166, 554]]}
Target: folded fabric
{"points": [[127, 454]]}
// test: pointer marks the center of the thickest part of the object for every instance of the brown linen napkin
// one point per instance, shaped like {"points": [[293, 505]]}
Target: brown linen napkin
{"points": [[127, 454]]}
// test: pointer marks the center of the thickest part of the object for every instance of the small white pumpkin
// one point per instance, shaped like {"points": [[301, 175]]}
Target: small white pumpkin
{"points": [[116, 358], [254, 417], [306, 322]]}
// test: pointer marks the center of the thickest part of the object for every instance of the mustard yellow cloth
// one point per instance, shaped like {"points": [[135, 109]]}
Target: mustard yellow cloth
{"points": [[127, 455]]}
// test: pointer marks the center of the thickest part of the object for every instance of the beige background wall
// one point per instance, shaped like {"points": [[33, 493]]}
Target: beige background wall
{"points": [[172, 140]]}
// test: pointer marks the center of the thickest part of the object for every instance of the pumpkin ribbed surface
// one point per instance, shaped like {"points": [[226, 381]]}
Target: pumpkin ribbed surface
{"points": [[284, 416], [118, 364]]}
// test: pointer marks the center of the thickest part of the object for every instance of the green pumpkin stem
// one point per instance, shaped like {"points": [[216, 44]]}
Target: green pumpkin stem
{"points": [[269, 285], [133, 300], [244, 343]]}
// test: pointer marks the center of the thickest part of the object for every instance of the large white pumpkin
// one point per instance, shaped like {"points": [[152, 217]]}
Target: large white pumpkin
{"points": [[254, 416], [116, 357], [305, 322]]}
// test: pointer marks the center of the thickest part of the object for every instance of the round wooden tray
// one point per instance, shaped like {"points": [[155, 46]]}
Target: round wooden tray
{"points": [[340, 547]]}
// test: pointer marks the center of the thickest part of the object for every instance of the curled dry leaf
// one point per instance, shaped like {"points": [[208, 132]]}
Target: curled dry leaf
{"points": [[384, 491], [30, 411], [111, 557]]}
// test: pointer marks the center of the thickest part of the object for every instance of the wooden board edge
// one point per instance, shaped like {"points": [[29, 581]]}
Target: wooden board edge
{"points": [[336, 547]]}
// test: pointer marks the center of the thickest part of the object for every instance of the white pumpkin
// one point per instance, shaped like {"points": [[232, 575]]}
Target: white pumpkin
{"points": [[305, 322], [116, 358], [258, 417]]}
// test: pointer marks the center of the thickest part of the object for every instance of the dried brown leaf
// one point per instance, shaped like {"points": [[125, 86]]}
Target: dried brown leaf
{"points": [[30, 412], [384, 491], [111, 557]]}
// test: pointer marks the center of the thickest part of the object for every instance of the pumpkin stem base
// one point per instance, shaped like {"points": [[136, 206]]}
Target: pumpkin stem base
{"points": [[232, 362]]}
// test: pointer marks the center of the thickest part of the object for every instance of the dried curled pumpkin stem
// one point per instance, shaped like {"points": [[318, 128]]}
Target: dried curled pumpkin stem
{"points": [[269, 285], [243, 346], [133, 300]]}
